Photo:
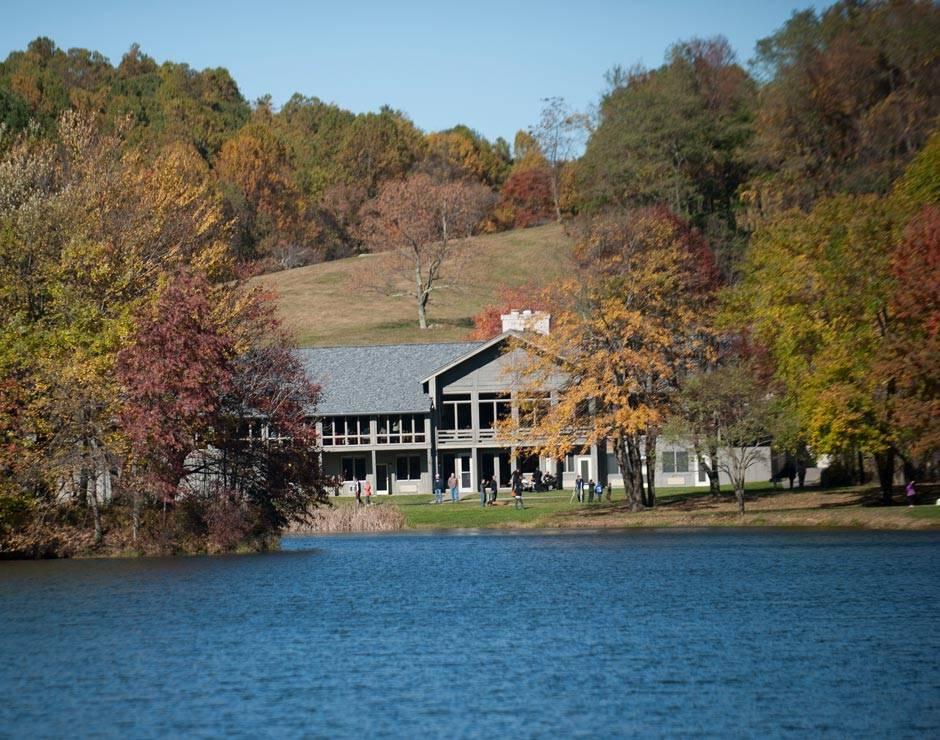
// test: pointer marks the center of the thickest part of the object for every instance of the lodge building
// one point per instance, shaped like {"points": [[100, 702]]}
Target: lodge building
{"points": [[397, 414]]}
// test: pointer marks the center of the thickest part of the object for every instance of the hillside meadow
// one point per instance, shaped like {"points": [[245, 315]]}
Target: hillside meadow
{"points": [[336, 303]]}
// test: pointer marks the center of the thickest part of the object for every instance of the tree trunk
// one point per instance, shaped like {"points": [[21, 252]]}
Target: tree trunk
{"points": [[422, 315], [861, 469], [135, 513], [630, 473], [885, 463], [651, 439], [714, 480], [556, 196], [636, 477], [92, 498], [422, 296], [739, 494]]}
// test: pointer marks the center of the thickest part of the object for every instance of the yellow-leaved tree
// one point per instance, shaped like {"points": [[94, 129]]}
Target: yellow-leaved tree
{"points": [[625, 329]]}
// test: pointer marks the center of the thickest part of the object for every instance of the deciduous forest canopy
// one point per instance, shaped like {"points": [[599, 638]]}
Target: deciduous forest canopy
{"points": [[777, 216]]}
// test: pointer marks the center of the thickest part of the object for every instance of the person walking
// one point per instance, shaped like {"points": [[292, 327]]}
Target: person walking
{"points": [[438, 489], [454, 491], [357, 489], [578, 489], [367, 490], [494, 488], [911, 494]]}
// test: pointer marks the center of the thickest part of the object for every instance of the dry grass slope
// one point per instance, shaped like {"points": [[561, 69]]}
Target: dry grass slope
{"points": [[325, 304]]}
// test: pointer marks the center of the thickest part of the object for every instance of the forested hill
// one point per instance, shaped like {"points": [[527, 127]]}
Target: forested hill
{"points": [[295, 179]]}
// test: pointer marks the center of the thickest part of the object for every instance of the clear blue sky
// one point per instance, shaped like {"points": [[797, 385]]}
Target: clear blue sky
{"points": [[486, 64]]}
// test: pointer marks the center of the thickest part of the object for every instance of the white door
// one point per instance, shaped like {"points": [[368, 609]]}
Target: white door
{"points": [[583, 466], [464, 475]]}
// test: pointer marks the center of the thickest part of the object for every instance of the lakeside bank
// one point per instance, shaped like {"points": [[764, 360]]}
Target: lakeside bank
{"points": [[844, 508]]}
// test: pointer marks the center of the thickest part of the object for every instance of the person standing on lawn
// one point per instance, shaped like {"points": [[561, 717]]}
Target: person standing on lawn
{"points": [[438, 489], [452, 485], [911, 494], [517, 488], [367, 490]]}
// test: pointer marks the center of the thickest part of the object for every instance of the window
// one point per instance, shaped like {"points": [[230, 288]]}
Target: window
{"points": [[675, 462], [409, 467], [533, 410], [404, 429], [494, 407], [346, 430], [353, 467], [455, 412]]}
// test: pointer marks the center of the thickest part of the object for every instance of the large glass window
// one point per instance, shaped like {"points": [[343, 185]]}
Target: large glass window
{"points": [[353, 466], [494, 407], [675, 462], [533, 410], [456, 412], [346, 430], [408, 467], [400, 429]]}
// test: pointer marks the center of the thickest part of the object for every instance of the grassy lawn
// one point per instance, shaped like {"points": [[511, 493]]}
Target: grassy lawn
{"points": [[689, 507], [315, 301]]}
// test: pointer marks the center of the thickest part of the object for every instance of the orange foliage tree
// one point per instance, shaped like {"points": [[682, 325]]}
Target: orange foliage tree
{"points": [[624, 332]]}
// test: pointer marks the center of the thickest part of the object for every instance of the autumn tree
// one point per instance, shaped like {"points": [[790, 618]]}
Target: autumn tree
{"points": [[418, 225], [525, 199], [850, 95], [202, 364], [461, 153], [674, 136], [378, 147], [634, 321], [728, 415], [558, 134]]}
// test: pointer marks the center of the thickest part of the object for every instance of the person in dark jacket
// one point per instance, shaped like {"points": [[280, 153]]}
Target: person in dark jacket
{"points": [[517, 488], [438, 489]]}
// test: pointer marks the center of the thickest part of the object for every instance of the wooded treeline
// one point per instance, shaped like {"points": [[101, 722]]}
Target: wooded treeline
{"points": [[758, 251]]}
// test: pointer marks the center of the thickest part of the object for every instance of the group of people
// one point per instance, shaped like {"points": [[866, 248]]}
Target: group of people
{"points": [[489, 488], [361, 488], [593, 491]]}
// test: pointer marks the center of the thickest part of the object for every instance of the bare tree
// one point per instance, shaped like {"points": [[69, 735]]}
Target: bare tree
{"points": [[418, 223], [558, 133], [728, 412]]}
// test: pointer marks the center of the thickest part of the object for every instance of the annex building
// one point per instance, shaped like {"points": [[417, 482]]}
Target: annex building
{"points": [[397, 414]]}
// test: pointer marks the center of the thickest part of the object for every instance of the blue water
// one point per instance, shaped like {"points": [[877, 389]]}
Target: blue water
{"points": [[736, 633]]}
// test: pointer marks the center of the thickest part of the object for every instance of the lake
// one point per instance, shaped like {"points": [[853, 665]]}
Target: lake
{"points": [[731, 633]]}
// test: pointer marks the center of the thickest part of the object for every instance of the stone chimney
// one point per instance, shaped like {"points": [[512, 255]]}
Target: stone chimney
{"points": [[526, 320]]}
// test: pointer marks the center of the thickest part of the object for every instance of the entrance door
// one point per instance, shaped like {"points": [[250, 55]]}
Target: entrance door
{"points": [[381, 478], [584, 468], [459, 464], [462, 463]]}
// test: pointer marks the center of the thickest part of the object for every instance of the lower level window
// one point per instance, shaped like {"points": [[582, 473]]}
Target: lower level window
{"points": [[409, 468], [354, 467], [675, 462]]}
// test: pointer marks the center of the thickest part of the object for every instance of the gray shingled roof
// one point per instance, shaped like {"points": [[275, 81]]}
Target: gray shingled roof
{"points": [[377, 379]]}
